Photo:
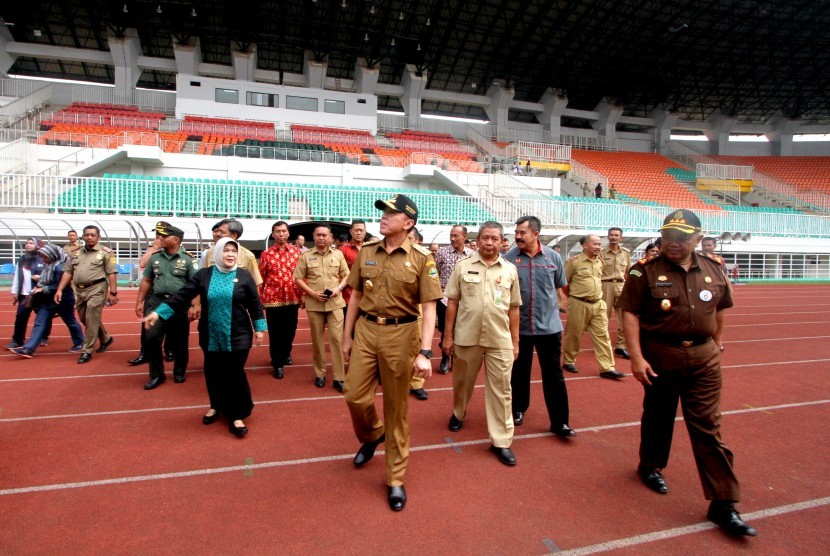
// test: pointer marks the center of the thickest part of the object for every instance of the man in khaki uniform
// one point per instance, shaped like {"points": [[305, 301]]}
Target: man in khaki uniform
{"points": [[93, 274], [232, 228], [321, 273], [615, 262], [74, 246], [483, 325], [586, 309], [416, 385], [389, 280]]}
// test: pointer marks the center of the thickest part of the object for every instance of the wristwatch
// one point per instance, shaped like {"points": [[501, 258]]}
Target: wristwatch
{"points": [[114, 293], [426, 353]]}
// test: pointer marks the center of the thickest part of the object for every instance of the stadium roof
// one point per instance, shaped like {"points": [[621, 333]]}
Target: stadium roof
{"points": [[745, 58]]}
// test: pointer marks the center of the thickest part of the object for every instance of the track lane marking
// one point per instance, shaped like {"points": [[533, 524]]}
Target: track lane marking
{"points": [[249, 468]]}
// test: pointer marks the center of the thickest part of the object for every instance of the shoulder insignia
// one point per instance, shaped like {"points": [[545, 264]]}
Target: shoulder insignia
{"points": [[717, 258], [372, 241], [106, 249], [625, 249], [421, 249], [644, 260], [635, 272]]}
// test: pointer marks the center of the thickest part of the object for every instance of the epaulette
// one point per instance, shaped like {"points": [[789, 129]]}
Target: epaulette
{"points": [[372, 241], [625, 249], [421, 249], [714, 257], [106, 249], [646, 260]]}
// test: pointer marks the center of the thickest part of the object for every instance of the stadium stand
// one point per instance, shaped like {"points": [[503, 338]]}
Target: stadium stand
{"points": [[806, 173]]}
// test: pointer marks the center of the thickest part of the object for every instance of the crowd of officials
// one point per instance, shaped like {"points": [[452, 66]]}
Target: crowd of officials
{"points": [[380, 301]]}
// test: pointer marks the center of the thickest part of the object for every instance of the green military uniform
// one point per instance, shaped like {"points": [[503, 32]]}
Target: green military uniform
{"points": [[322, 271], [614, 267], [168, 274], [387, 338], [89, 271], [586, 311]]}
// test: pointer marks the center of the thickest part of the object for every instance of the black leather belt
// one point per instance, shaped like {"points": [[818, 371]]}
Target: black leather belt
{"points": [[677, 341], [163, 295], [89, 284], [388, 320], [617, 280], [585, 299]]}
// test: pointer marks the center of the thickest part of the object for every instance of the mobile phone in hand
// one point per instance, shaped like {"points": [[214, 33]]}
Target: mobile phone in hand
{"points": [[327, 292]]}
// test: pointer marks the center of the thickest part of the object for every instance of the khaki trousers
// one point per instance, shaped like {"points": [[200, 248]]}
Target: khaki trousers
{"points": [[498, 400], [317, 321], [89, 302], [592, 317], [611, 292], [388, 352]]}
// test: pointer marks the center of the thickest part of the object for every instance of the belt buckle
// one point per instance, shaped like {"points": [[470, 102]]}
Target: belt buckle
{"points": [[381, 320], [687, 343]]}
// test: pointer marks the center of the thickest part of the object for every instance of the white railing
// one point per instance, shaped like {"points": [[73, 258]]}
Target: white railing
{"points": [[153, 197], [20, 107], [589, 175], [132, 120], [544, 152], [484, 143], [13, 156], [19, 87], [724, 171], [146, 101]]}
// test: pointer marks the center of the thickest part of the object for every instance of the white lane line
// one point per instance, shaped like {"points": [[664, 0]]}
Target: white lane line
{"points": [[245, 467], [638, 540]]}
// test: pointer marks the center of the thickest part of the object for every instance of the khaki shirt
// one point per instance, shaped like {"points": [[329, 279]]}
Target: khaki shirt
{"points": [[72, 249], [584, 275], [92, 264], [394, 284], [169, 273], [322, 271], [246, 260], [615, 264], [484, 294]]}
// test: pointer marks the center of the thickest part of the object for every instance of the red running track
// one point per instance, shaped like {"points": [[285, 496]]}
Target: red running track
{"points": [[94, 464]]}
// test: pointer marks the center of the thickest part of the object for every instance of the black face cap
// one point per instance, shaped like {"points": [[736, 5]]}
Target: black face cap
{"points": [[399, 203], [682, 220]]}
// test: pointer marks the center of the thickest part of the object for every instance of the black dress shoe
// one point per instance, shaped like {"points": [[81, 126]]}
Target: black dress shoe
{"points": [[570, 367], [397, 498], [655, 481], [138, 360], [518, 418], [727, 518], [612, 374], [168, 356], [622, 352], [84, 358], [337, 385], [563, 431], [106, 345], [210, 419], [455, 423], [278, 372], [155, 382], [367, 451], [505, 455], [444, 366], [319, 382], [419, 393], [238, 432], [289, 361], [178, 377]]}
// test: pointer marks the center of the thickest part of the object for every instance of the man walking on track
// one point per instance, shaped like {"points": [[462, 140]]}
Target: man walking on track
{"points": [[673, 309], [390, 278]]}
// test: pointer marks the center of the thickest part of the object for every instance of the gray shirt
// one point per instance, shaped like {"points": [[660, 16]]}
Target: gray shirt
{"points": [[539, 276]]}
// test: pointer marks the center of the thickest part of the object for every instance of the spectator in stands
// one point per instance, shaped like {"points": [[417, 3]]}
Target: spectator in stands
{"points": [[586, 309], [527, 168], [652, 251], [416, 384], [300, 243], [74, 245], [281, 296], [232, 228], [484, 299], [44, 306], [616, 260], [598, 191], [612, 192], [321, 273], [445, 259], [586, 190], [541, 273], [231, 304], [26, 276]]}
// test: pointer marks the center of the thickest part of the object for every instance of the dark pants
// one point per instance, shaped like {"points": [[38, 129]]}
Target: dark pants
{"points": [[43, 320], [282, 326], [175, 333], [227, 383], [549, 350], [440, 319], [21, 322], [692, 376]]}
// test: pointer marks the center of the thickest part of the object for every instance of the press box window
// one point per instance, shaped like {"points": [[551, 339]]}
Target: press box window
{"points": [[229, 96], [263, 99], [334, 106], [301, 103]]}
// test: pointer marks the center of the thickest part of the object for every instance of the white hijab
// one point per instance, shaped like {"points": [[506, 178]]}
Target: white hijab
{"points": [[218, 260]]}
